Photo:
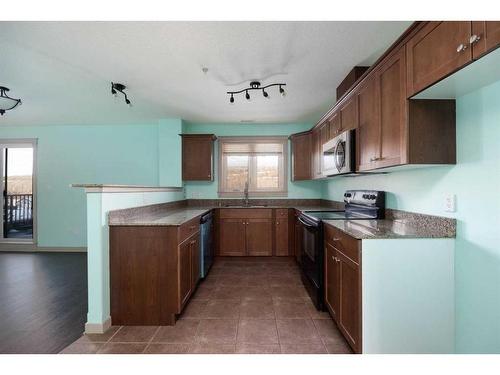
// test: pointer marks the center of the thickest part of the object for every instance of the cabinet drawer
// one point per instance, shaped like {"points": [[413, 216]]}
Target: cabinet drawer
{"points": [[342, 242], [281, 212], [246, 213], [189, 228]]}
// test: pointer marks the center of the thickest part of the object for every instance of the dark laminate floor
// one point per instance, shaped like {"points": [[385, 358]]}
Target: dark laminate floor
{"points": [[43, 301]]}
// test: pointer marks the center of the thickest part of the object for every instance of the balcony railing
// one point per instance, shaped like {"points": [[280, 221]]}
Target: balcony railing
{"points": [[18, 211]]}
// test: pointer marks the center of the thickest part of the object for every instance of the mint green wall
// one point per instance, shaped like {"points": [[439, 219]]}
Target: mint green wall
{"points": [[121, 154], [208, 190], [170, 152], [476, 182]]}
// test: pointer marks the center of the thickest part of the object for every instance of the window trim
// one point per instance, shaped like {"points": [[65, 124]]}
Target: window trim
{"points": [[255, 139]]}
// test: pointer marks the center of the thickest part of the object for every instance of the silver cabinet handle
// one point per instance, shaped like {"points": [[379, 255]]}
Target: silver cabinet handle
{"points": [[374, 159], [474, 39], [337, 260], [461, 47], [335, 239]]}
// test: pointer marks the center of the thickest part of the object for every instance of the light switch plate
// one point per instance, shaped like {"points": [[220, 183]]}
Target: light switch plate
{"points": [[450, 202]]}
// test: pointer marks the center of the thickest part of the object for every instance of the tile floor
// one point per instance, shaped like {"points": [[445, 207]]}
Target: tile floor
{"points": [[245, 305]]}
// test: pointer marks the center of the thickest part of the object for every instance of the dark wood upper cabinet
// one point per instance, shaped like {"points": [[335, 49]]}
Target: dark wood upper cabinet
{"points": [[348, 114], [392, 115], [325, 133], [317, 153], [301, 156], [197, 157], [485, 37], [368, 132], [335, 126], [437, 50]]}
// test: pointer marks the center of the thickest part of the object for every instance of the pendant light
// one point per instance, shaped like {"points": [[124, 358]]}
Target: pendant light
{"points": [[6, 102]]}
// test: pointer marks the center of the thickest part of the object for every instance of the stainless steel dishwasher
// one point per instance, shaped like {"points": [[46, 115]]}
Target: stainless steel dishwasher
{"points": [[207, 247]]}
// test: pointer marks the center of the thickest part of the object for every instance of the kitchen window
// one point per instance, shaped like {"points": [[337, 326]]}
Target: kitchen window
{"points": [[260, 161]]}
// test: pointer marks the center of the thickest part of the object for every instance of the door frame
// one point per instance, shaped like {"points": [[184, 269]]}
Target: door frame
{"points": [[18, 143]]}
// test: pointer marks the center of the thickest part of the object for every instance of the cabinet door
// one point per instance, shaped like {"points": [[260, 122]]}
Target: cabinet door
{"points": [[436, 51], [298, 240], [349, 114], [392, 102], [301, 157], [317, 153], [195, 260], [335, 125], [185, 273], [332, 281], [485, 37], [368, 132], [325, 133], [232, 237], [281, 237], [349, 312], [259, 237], [197, 157]]}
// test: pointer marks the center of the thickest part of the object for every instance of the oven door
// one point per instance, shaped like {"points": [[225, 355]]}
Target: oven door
{"points": [[312, 253]]}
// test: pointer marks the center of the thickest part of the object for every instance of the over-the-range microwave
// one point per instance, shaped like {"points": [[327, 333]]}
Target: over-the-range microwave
{"points": [[338, 155]]}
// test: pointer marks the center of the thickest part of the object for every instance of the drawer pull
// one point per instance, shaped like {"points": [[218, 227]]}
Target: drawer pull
{"points": [[192, 227], [335, 239], [461, 47], [474, 39]]}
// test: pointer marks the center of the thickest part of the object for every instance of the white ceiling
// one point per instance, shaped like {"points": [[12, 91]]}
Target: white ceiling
{"points": [[62, 70]]}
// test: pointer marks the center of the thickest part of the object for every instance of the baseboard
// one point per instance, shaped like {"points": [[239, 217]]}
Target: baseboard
{"points": [[98, 327], [32, 248]]}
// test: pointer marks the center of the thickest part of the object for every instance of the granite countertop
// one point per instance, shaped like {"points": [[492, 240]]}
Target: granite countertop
{"points": [[172, 217], [396, 228]]}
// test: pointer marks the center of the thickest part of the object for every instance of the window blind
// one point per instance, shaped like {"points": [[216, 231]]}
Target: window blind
{"points": [[252, 147]]}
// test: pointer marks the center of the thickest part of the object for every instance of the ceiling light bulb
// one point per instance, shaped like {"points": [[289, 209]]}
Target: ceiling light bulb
{"points": [[266, 95], [247, 95], [231, 99]]}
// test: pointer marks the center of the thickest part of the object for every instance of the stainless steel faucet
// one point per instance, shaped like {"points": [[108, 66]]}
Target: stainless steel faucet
{"points": [[246, 202]]}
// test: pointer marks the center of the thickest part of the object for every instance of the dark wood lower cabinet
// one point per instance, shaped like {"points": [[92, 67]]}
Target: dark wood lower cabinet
{"points": [[232, 240], [153, 272], [281, 234], [343, 284], [259, 237]]}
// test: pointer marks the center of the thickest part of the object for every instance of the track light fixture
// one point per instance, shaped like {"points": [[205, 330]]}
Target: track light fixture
{"points": [[6, 102], [118, 87], [255, 85]]}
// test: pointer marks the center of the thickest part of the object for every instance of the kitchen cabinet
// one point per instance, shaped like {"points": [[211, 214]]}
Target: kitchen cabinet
{"points": [[301, 156], [325, 133], [332, 282], [437, 50], [391, 79], [335, 126], [348, 114], [343, 284], [368, 132], [485, 37], [317, 153], [153, 272], [382, 116], [282, 233], [232, 237], [297, 232], [197, 157], [245, 232], [259, 237]]}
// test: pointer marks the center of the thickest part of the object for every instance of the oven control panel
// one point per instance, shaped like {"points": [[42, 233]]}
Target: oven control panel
{"points": [[371, 198]]}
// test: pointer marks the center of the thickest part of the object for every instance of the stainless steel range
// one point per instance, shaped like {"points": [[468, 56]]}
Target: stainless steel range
{"points": [[359, 205]]}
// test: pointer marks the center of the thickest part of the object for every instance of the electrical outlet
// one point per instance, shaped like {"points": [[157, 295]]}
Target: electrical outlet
{"points": [[450, 203]]}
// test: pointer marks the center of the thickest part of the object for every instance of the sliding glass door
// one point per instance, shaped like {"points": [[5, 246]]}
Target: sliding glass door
{"points": [[17, 158]]}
